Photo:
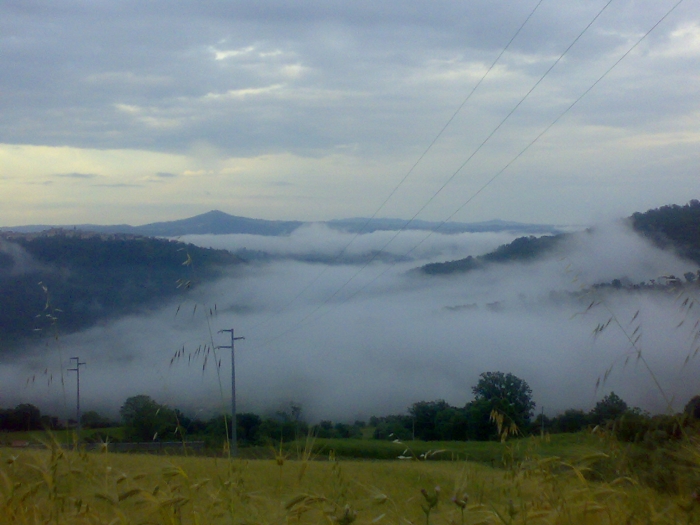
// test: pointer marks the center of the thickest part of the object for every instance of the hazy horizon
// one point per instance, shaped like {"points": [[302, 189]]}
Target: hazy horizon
{"points": [[288, 219]]}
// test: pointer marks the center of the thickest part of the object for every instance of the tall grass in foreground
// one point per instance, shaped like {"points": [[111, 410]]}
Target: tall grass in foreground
{"points": [[53, 486]]}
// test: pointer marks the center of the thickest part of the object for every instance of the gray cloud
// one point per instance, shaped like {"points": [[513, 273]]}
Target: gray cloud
{"points": [[76, 175], [119, 185], [346, 74], [335, 101]]}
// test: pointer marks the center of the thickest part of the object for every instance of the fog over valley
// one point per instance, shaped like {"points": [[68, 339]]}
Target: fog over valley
{"points": [[353, 337], [319, 241]]}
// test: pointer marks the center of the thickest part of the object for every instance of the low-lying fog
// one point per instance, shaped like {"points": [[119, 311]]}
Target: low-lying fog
{"points": [[348, 345]]}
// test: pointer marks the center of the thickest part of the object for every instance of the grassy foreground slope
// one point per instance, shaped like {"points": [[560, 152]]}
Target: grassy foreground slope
{"points": [[73, 487]]}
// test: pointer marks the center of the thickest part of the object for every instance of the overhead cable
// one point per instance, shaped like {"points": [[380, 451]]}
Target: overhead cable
{"points": [[308, 318]]}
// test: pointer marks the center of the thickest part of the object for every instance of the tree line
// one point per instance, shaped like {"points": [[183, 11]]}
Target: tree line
{"points": [[672, 226], [502, 407]]}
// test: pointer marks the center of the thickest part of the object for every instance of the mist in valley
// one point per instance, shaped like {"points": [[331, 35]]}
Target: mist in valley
{"points": [[348, 341]]}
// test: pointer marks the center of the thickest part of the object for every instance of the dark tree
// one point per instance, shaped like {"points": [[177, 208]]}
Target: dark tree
{"points": [[324, 429], [248, 427], [28, 416], [343, 431], [146, 420], [572, 420], [393, 427], [22, 417], [275, 429], [673, 226], [51, 422], [216, 427], [424, 415], [508, 394], [692, 408], [92, 419], [609, 408], [479, 426]]}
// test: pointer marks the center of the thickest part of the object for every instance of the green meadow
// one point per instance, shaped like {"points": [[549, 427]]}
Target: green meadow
{"points": [[569, 479]]}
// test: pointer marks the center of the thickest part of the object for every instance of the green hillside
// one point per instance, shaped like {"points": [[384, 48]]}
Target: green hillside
{"points": [[669, 227], [520, 250], [676, 227], [73, 279]]}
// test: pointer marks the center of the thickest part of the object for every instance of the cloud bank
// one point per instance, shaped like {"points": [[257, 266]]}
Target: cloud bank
{"points": [[349, 345]]}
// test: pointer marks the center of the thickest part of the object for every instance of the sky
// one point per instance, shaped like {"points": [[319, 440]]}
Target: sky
{"points": [[136, 112], [347, 342]]}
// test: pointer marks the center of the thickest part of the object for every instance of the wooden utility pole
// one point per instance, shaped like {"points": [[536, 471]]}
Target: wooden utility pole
{"points": [[78, 364], [542, 418], [234, 438]]}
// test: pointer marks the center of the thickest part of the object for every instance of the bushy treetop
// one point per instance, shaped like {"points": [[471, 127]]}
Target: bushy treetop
{"points": [[507, 393], [609, 408]]}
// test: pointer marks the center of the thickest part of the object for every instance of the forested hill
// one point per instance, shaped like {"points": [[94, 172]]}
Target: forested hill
{"points": [[521, 249], [669, 227], [75, 278], [672, 226]]}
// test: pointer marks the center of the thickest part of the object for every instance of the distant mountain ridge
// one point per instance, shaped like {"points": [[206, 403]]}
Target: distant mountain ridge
{"points": [[217, 223]]}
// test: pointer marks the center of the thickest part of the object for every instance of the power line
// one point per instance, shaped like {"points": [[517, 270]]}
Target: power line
{"points": [[462, 166], [482, 188], [500, 124], [476, 86], [410, 171], [528, 146], [545, 130]]}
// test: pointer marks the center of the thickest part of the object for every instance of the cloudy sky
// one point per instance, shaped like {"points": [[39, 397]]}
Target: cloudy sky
{"points": [[137, 112]]}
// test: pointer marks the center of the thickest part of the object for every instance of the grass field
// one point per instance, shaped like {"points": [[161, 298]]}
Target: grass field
{"points": [[488, 452], [60, 436], [537, 481], [567, 446]]}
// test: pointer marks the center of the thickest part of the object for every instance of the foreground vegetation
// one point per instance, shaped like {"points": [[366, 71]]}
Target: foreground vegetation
{"points": [[55, 486]]}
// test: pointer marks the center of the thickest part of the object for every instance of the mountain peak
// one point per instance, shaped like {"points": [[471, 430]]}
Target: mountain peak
{"points": [[214, 213]]}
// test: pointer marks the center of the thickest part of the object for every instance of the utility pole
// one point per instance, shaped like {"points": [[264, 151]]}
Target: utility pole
{"points": [[234, 438], [542, 421], [78, 364]]}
